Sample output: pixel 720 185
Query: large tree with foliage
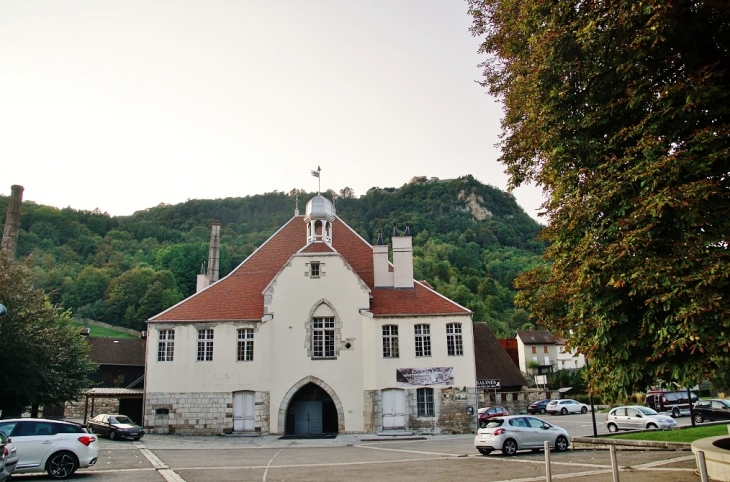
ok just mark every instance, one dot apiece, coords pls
pixel 620 111
pixel 43 359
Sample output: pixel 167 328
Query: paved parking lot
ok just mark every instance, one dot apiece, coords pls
pixel 360 457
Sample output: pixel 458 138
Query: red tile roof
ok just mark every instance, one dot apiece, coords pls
pixel 239 296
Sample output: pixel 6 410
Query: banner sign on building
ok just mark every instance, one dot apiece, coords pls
pixel 406 377
pixel 488 384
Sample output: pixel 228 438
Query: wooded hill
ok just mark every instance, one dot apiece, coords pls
pixel 470 241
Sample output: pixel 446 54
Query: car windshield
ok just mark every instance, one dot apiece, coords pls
pixel 122 419
pixel 647 411
pixel 724 402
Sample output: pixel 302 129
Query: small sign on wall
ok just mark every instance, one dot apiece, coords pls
pixel 470 411
pixel 489 384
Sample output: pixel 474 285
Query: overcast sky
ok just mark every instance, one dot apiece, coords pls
pixel 123 105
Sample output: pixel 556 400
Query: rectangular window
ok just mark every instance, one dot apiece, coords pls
pixel 545 349
pixel 205 345
pixel 390 341
pixel 454 343
pixel 534 349
pixel 425 402
pixel 314 269
pixel 245 344
pixel 423 340
pixel 166 345
pixel 323 337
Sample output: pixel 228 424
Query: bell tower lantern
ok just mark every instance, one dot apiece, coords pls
pixel 319 216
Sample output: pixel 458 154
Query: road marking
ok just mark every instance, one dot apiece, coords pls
pixel 406 451
pixel 162 468
pixel 269 464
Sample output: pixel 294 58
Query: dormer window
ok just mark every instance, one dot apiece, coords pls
pixel 314 269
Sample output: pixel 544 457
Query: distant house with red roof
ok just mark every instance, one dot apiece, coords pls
pixel 315 333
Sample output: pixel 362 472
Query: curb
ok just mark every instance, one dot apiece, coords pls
pixel 594 443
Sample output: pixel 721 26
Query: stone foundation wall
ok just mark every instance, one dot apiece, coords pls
pixel 199 413
pixel 76 410
pixel 371 422
pixel 453 417
pixel 515 402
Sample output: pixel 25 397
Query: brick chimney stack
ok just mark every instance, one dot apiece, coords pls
pixel 12 222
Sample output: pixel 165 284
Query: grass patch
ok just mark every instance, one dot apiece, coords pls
pixel 687 435
pixel 102 332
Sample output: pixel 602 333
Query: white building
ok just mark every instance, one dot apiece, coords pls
pixel 315 333
pixel 569 359
pixel 539 349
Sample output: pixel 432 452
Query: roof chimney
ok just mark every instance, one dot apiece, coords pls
pixel 382 277
pixel 403 259
pixel 214 253
pixel 12 222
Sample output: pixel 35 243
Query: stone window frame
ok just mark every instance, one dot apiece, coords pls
pixel 205 344
pixel 165 344
pixel 308 333
pixel 454 340
pixel 425 402
pixel 314 269
pixel 390 341
pixel 245 344
pixel 422 339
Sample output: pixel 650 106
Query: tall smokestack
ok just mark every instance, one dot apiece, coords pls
pixel 12 222
pixel 214 252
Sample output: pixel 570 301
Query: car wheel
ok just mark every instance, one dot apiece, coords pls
pixel 542 411
pixel 612 427
pixel 651 426
pixel 675 412
pixel 561 444
pixel 564 411
pixel 698 418
pixel 509 447
pixel 112 435
pixel 484 451
pixel 584 410
pixel 61 465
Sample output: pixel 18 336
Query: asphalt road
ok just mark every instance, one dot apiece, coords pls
pixel 359 457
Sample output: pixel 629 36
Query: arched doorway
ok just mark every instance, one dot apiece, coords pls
pixel 311 413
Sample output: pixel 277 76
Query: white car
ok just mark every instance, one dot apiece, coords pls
pixel 10 452
pixel 52 446
pixel 518 432
pixel 636 417
pixel 565 406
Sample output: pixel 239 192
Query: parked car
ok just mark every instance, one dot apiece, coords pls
pixel 4 474
pixel 490 412
pixel 711 410
pixel 675 403
pixel 519 432
pixel 538 407
pixel 10 452
pixel 565 406
pixel 53 446
pixel 115 426
pixel 637 417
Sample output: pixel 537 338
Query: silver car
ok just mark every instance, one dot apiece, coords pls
pixel 637 417
pixel 565 406
pixel 519 432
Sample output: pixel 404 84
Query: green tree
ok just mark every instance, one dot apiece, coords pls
pixel 620 110
pixel 44 360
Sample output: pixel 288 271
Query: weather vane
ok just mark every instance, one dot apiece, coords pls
pixel 319 181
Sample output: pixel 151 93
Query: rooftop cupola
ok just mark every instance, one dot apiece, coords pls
pixel 319 216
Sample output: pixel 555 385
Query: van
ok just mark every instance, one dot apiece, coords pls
pixel 674 403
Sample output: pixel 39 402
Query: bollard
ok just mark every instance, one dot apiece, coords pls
pixel 702 466
pixel 548 471
pixel 614 464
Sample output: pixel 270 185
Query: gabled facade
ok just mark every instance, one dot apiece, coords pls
pixel 537 346
pixel 315 333
pixel 569 359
